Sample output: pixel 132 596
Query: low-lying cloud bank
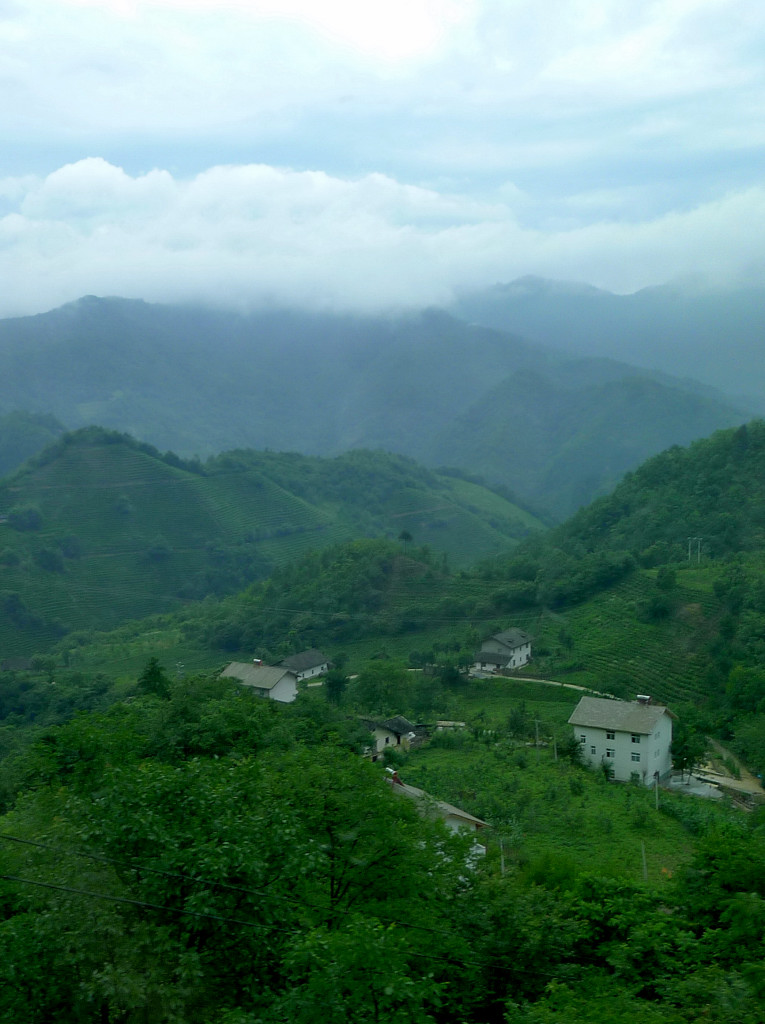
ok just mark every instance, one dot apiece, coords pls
pixel 245 235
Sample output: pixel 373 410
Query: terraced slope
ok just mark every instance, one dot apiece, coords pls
pixel 610 644
pixel 100 529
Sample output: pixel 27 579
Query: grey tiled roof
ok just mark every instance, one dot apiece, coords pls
pixel 426 803
pixel 512 637
pixel 263 677
pixel 305 660
pixel 619 715
pixel 399 725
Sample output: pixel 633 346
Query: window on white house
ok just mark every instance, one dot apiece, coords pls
pixel 636 757
pixel 635 738
pixel 610 753
pixel 593 750
pixel 610 735
pixel 582 739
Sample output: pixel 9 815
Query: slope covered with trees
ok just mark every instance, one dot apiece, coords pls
pixel 201 855
pixel 183 851
pixel 555 430
pixel 100 528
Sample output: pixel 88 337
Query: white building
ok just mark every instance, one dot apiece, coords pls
pixel 394 732
pixel 270 681
pixel 509 649
pixel 634 737
pixel 307 664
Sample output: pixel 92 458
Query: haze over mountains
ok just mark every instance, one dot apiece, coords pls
pixel 688 329
pixel 554 429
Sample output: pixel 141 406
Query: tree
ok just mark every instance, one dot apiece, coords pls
pixel 153 679
pixel 382 687
pixel 335 682
pixel 688 748
pixel 406 538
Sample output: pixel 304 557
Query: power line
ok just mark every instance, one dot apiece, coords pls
pixel 246 924
pixel 203 883
pixel 126 899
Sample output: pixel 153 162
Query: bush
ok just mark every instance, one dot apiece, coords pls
pixel 25 517
pixel 49 560
pixel 451 739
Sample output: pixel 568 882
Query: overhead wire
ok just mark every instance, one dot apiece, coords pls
pixel 204 883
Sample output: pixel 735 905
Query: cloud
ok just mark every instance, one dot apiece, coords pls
pixel 243 235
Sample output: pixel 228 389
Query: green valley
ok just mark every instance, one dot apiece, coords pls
pixel 175 848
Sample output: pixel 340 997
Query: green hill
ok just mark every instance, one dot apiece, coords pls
pixel 611 598
pixel 554 429
pixel 100 528
pixel 711 493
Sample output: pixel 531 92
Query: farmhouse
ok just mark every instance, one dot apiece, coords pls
pixel 634 737
pixel 393 732
pixel 509 649
pixel 270 681
pixel 307 664
pixel 455 819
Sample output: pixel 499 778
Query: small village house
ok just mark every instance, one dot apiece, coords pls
pixel 455 819
pixel 393 732
pixel 506 650
pixel 633 737
pixel 307 664
pixel 270 681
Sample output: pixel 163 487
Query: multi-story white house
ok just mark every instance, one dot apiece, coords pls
pixel 634 737
pixel 509 649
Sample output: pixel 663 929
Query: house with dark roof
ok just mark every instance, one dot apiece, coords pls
pixel 393 732
pixel 633 737
pixel 307 664
pixel 270 681
pixel 506 650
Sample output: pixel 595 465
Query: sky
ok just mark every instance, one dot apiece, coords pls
pixel 363 155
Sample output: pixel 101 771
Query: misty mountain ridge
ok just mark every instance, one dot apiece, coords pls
pixel 553 429
pixel 686 328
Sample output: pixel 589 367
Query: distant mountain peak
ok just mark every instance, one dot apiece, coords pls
pixel 530 284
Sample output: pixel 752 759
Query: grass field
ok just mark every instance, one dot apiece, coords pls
pixel 554 818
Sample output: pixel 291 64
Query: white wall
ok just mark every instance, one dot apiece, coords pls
pixel 285 690
pixel 650 754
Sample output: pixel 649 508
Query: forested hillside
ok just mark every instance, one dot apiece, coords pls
pixel 100 528
pixel 711 493
pixel 612 604
pixel 555 430
pixel 197 855
pixel 175 849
